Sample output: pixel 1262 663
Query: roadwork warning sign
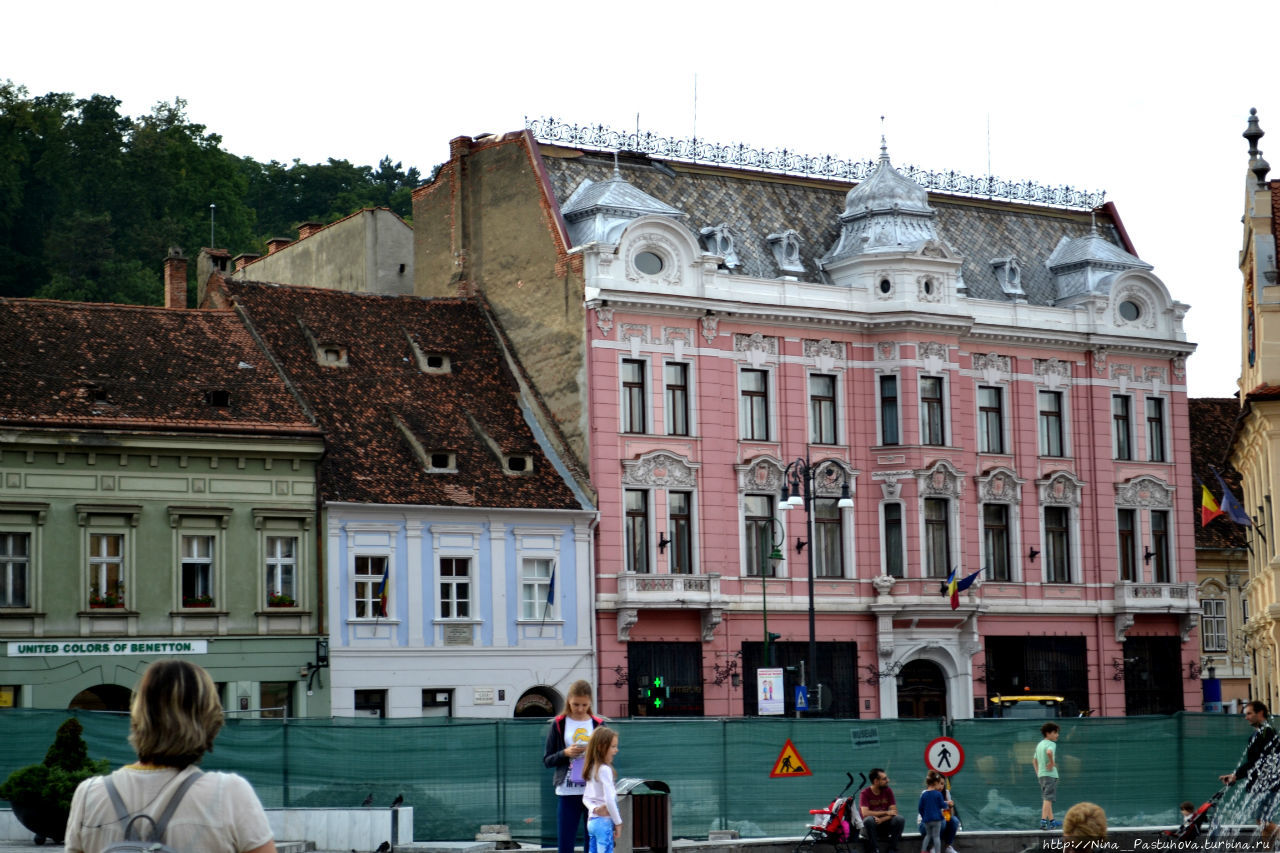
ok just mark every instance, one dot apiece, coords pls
pixel 790 763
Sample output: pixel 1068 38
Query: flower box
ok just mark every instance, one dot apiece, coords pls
pixel 280 600
pixel 197 601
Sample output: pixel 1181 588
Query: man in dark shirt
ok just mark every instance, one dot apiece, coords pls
pixel 881 820
pixel 1260 768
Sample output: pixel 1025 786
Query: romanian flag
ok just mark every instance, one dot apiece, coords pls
pixel 1209 509
pixel 955 587
pixel 382 594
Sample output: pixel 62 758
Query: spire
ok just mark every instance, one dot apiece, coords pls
pixel 884 146
pixel 1257 165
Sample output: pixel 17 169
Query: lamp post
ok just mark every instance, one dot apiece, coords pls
pixel 798 491
pixel 768 569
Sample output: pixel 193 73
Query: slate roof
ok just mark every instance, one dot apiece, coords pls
pixel 1212 424
pixel 375 408
pixel 755 205
pixel 100 366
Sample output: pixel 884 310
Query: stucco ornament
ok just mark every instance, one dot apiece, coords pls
pixel 886 351
pixel 663 248
pixel 710 619
pixel 627 619
pixel 659 468
pixel 1124 621
pixel 762 474
pixel 940 479
pixel 604 319
pixel 993 367
pixel 680 339
pixel 1146 318
pixel 830 476
pixel 1180 368
pixel 999 485
pixel 1052 372
pixel 710 327
pixel 756 347
pixel 825 353
pixel 890 486
pixel 932 354
pixel 883 585
pixel 1060 489
pixel 1144 492
pixel 928 289
pixel 1100 361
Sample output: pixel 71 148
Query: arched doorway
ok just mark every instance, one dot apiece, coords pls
pixel 922 690
pixel 104 697
pixel 538 702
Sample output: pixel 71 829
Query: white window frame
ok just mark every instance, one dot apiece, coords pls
pixel 1115 433
pixel 646 534
pixel 897 382
pixel 1218 618
pixel 471 581
pixel 370 580
pixel 1164 427
pixel 534 587
pixel 1073 544
pixel 1011 545
pixel 276 563
pixel 189 558
pixel 99 565
pixel 1002 393
pixel 1064 423
pixel 953 540
pixel 689 398
pixel 693 530
pixel 836 431
pixel 747 570
pixel 943 408
pixel 9 563
pixel 770 395
pixel 1168 544
pixel 841 545
pixel 646 398
pixel 902 537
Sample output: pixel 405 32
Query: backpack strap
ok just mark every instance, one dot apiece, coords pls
pixel 157 827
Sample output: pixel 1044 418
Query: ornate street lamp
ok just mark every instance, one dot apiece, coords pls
pixel 798 491
pixel 768 569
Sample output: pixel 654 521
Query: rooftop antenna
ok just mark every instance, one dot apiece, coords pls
pixel 988 145
pixel 617 173
pixel 695 116
pixel 212 208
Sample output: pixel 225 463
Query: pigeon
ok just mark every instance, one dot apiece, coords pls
pixel 384 847
pixel 397 802
pixel 368 801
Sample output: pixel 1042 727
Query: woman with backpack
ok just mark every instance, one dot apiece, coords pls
pixel 163 796
pixel 567 738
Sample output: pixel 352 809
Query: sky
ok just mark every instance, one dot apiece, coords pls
pixel 1143 100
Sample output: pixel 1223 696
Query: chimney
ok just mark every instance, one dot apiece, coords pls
pixel 244 259
pixel 306 229
pixel 275 244
pixel 175 279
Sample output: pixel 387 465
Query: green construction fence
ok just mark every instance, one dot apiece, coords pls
pixel 461 773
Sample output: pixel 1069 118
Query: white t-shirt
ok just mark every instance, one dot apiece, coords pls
pixel 575 732
pixel 601 791
pixel 220 813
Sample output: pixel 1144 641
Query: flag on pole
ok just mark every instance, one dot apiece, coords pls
pixel 960 586
pixel 551 588
pixel 1231 506
pixel 382 594
pixel 1209 509
pixel 949 589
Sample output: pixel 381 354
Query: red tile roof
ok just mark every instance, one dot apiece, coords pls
pixel 1212 423
pixel 381 404
pixel 100 366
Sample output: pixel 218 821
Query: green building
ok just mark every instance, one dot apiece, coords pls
pixel 157 498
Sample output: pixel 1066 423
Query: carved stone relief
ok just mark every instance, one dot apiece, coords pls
pixel 1061 489
pixel 825 354
pixel 665 249
pixel 993 367
pixel 756 346
pixel 1179 368
pixel 1100 361
pixel 633 334
pixel 660 468
pixel 678 338
pixel 999 485
pixel 1146 318
pixel 933 354
pixel 886 351
pixel 940 480
pixel 1144 492
pixel 928 289
pixel 762 474
pixel 710 327
pixel 830 476
pixel 627 618
pixel 1052 372
pixel 604 319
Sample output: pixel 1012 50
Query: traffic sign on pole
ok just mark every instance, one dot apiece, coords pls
pixel 802 698
pixel 944 755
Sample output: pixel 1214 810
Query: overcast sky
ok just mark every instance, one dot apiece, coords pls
pixel 1145 100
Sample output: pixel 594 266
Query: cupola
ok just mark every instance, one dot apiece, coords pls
pixel 598 211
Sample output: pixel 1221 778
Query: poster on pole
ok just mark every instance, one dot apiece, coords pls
pixel 770 698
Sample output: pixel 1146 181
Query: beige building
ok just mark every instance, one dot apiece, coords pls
pixel 369 251
pixel 1255 448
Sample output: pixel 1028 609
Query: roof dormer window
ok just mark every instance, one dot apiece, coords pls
pixel 442 462
pixel 518 463
pixel 332 355
pixel 217 398
pixel 437 363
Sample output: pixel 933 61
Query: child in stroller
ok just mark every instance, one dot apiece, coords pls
pixel 1196 822
pixel 837 824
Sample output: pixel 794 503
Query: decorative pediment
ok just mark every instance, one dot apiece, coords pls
pixel 761 474
pixel 1052 372
pixel 1144 492
pixel 830 476
pixel 999 485
pixel 659 468
pixel 933 354
pixel 941 479
pixel 1060 489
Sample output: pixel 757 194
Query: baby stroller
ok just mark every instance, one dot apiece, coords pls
pixel 838 824
pixel 1197 823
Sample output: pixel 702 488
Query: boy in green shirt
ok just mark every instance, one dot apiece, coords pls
pixel 1045 763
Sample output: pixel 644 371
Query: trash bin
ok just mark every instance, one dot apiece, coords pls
pixel 645 806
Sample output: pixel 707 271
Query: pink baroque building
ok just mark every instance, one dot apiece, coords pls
pixel 932 383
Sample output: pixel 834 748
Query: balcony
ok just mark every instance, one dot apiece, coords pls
pixel 669 592
pixel 1137 599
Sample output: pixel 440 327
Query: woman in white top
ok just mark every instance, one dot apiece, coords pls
pixel 173 720
pixel 600 797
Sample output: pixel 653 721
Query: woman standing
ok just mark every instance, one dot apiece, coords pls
pixel 567 739
pixel 174 717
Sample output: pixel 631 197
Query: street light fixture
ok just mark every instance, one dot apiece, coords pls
pixel 768 569
pixel 798 491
